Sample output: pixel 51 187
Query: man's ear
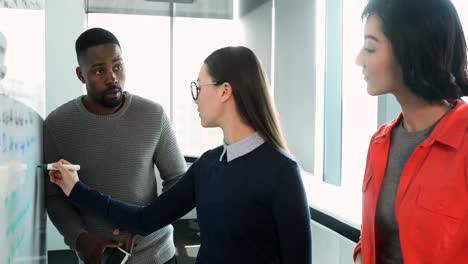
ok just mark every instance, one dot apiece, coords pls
pixel 226 91
pixel 79 74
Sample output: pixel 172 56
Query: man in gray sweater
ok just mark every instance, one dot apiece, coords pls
pixel 117 138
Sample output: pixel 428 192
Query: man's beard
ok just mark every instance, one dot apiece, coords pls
pixel 114 101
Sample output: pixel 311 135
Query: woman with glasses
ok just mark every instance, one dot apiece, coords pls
pixel 249 196
pixel 415 190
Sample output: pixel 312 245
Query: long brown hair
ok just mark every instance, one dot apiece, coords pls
pixel 243 70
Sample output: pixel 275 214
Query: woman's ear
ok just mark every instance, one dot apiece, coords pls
pixel 226 91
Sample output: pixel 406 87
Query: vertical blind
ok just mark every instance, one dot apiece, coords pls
pixel 29 4
pixel 179 8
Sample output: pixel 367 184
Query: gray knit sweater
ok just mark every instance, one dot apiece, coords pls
pixel 117 154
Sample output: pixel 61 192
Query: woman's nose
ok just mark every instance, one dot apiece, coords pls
pixel 359 59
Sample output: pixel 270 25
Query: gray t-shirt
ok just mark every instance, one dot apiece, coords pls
pixel 402 146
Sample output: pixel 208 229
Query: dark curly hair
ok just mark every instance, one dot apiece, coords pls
pixel 429 45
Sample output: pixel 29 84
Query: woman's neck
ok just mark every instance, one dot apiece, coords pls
pixel 236 130
pixel 419 114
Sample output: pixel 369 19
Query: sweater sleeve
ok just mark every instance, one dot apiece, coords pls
pixel 62 213
pixel 142 220
pixel 168 156
pixel 291 212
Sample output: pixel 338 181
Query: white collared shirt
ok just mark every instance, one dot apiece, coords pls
pixel 241 147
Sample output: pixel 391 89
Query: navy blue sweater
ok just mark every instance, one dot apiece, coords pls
pixel 252 209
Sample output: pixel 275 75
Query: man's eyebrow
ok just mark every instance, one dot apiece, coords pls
pixel 97 64
pixel 103 63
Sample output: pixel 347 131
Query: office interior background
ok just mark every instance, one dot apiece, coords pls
pixel 308 48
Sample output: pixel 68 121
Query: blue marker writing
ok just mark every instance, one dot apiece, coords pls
pixel 52 167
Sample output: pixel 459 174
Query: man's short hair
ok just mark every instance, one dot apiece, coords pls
pixel 93 37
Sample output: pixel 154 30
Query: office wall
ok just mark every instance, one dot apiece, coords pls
pixel 329 247
pixel 257 29
pixel 294 91
pixel 294 75
pixel 65 20
pixel 388 109
pixel 289 61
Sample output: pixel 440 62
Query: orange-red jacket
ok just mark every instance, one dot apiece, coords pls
pixel 431 206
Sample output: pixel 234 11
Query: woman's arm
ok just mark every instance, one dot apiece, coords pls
pixel 291 212
pixel 142 220
pixel 357 253
pixel 358 259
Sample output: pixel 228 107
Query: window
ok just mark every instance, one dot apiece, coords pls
pixel 194 40
pixel 346 116
pixel 145 42
pixel 359 117
pixel 146 47
pixel 348 113
pixel 25 60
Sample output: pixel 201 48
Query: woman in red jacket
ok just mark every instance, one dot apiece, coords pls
pixel 415 190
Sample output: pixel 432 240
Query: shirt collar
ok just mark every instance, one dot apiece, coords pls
pixel 242 147
pixel 452 129
pixel 449 131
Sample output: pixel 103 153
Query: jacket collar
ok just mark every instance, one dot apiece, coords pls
pixel 385 130
pixel 449 131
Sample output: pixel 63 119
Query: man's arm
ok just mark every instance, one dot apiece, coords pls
pixel 62 213
pixel 168 156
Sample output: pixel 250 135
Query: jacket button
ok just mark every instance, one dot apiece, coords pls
pixel 116 232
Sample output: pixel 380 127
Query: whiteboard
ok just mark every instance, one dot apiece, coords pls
pixel 22 78
pixel 22 217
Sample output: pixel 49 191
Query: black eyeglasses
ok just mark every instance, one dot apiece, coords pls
pixel 196 87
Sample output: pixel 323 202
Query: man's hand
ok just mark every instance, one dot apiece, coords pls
pixel 91 247
pixel 128 245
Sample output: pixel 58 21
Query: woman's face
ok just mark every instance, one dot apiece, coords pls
pixel 381 71
pixel 208 103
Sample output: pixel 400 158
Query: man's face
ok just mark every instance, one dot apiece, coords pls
pixel 102 70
